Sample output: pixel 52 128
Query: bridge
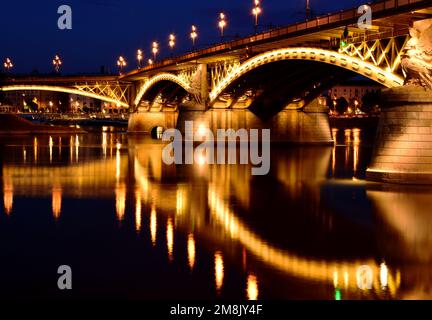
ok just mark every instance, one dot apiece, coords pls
pixel 106 88
pixel 274 79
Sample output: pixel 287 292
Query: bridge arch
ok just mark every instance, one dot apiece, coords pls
pixel 63 90
pixel 160 77
pixel 367 69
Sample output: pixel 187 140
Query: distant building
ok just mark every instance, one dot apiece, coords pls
pixel 354 89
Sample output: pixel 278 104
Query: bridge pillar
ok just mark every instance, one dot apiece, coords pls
pixel 403 147
pixel 309 125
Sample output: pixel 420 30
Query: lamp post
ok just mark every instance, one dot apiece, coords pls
pixel 121 63
pixel 256 11
pixel 308 10
pixel 139 57
pixel 172 42
pixel 193 35
pixel 155 49
pixel 222 24
pixel 8 64
pixel 57 63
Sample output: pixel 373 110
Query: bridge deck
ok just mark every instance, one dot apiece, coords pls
pixel 391 18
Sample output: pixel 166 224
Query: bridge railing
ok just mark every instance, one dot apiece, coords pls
pixel 343 17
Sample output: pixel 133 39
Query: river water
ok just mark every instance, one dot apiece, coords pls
pixel 130 226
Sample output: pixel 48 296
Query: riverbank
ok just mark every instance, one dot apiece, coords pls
pixel 13 124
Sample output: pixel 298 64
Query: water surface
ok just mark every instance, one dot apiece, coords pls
pixel 133 227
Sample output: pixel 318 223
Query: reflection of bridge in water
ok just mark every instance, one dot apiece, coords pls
pixel 176 196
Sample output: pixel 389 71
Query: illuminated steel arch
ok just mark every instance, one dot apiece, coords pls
pixel 357 65
pixel 160 77
pixel 64 90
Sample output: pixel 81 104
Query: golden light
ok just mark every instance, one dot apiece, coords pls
pixel 121 63
pixel 191 250
pixel 57 63
pixel 8 195
pixel 256 11
pixel 50 144
pixel 194 35
pixel 170 238
pixel 219 270
pixel 155 49
pixel 138 211
pixel 139 57
pixel 8 64
pixel 222 24
pixel 56 202
pixel 252 287
pixel 120 194
pixel 150 62
pixel 63 90
pixel 153 225
pixel 383 275
pixel 171 42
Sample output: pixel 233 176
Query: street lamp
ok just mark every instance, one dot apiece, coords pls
pixel 139 57
pixel 8 64
pixel 172 42
pixel 150 62
pixel 222 24
pixel 121 63
pixel 308 10
pixel 57 63
pixel 256 11
pixel 155 49
pixel 193 35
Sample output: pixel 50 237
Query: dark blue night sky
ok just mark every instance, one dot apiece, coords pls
pixel 104 29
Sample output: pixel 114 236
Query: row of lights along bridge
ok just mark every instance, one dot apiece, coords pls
pixel 121 61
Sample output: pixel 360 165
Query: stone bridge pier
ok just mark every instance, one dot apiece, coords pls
pixel 403 146
pixel 308 125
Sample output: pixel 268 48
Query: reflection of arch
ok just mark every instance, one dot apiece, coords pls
pixel 160 77
pixel 63 90
pixel 354 64
pixel 340 273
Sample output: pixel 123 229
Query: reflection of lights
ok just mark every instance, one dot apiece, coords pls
pixel 383 275
pixel 50 143
pixel 56 202
pixel 180 201
pixel 202 130
pixel 120 194
pixel 118 163
pixel 71 144
pixel 104 143
pixel 327 271
pixel 219 270
pixel 170 238
pixel 35 149
pixel 252 287
pixel 153 225
pixel 356 147
pixel 7 195
pixel 77 145
pixel 191 250
pixel 138 211
pixel 346 278
pixel 334 135
pixel 364 277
